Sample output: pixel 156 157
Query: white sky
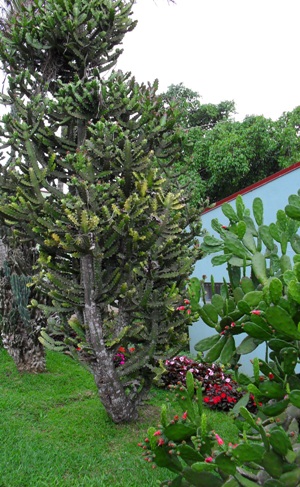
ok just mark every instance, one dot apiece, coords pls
pixel 242 50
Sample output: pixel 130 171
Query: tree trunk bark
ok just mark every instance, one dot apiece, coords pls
pixel 26 351
pixel 19 339
pixel 111 391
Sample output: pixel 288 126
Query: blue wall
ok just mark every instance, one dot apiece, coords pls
pixel 274 195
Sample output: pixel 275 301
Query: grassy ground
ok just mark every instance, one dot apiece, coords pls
pixel 54 431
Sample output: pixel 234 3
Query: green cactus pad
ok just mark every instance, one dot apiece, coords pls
pixel 294 397
pixel 272 390
pixel 248 345
pixel 276 344
pixel 280 319
pixel 211 312
pixel 229 212
pixel 294 290
pixel 293 212
pixel 189 454
pixel 248 452
pixel 258 210
pixel 280 440
pixel 180 431
pixel 256 331
pixel 275 288
pixel 253 298
pixel 272 463
pixel 228 350
pixel 265 235
pixel 206 343
pixel 244 307
pixel 276 408
pixel 259 267
pixel 215 352
pixel 289 356
pixel 225 463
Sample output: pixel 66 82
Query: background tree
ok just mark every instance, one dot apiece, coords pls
pixel 91 187
pixel 192 112
pixel 234 155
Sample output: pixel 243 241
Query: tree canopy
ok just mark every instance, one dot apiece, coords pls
pixel 223 155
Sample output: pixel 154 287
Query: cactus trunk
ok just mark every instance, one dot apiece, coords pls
pixel 26 351
pixel 117 403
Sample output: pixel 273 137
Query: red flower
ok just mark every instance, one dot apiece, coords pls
pixel 219 439
pixel 121 349
pixel 271 376
pixel 160 442
pixel 184 416
pixel 208 459
pixel 206 399
pixel 157 433
pixel 132 349
pixel 180 308
pixel 256 312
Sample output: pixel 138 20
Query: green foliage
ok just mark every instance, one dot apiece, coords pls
pixel 92 188
pixel 223 155
pixel 267 452
pixel 263 301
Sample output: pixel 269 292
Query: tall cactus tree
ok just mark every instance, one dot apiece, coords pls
pixel 91 188
pixel 19 327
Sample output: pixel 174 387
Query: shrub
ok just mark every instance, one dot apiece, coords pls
pixel 219 389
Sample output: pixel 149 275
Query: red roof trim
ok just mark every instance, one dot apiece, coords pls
pixel 250 188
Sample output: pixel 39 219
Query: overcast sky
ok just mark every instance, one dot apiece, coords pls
pixel 242 50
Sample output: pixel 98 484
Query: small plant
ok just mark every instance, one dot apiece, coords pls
pixel 220 390
pixel 267 453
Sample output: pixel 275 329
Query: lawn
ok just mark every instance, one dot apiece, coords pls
pixel 55 432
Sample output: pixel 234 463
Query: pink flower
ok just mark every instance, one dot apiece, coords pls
pixel 219 439
pixel 180 308
pixel 184 416
pixel 256 312
pixel 160 442
pixel 157 433
pixel 186 301
pixel 209 459
pixel 188 311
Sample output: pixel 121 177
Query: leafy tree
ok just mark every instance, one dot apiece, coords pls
pixel 193 113
pixel 90 185
pixel 233 155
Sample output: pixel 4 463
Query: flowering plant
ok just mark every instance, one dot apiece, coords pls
pixel 122 354
pixel 220 390
pixel 187 446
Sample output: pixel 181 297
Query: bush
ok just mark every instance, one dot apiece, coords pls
pixel 220 391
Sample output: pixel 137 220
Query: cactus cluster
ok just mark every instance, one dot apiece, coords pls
pixel 267 453
pixel 262 296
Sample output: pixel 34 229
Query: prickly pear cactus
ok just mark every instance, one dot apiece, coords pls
pixel 267 453
pixel 262 296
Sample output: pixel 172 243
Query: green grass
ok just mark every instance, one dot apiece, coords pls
pixel 55 432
